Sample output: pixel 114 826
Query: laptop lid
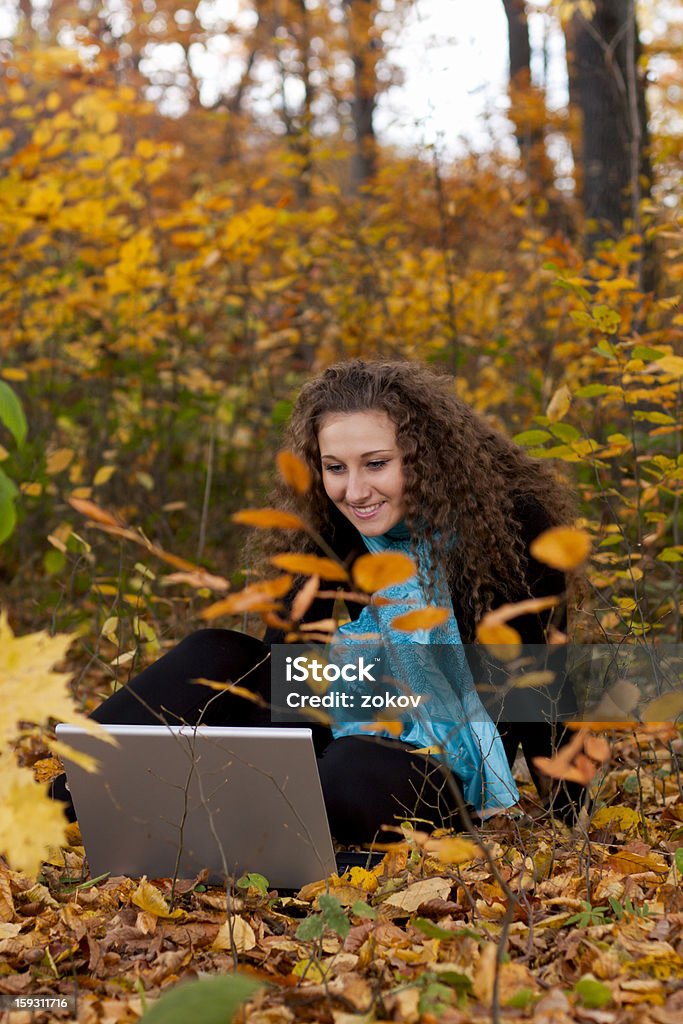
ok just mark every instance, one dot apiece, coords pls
pixel 170 800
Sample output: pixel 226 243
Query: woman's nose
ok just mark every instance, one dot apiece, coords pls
pixel 357 487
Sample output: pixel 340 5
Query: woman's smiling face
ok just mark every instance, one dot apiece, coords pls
pixel 362 469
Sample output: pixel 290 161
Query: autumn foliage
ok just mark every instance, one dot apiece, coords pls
pixel 166 285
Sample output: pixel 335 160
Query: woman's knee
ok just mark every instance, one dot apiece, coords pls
pixel 212 647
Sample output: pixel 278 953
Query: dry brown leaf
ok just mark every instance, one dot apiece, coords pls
pixel 95 512
pixel 419 892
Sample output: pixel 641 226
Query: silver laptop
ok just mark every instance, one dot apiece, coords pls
pixel 170 800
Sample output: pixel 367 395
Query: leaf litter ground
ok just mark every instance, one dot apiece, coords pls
pixel 586 925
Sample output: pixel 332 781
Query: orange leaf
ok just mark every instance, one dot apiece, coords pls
pixel 393 728
pixel 504 641
pixel 294 471
pixel 510 611
pixel 562 547
pixel 256 598
pixel 375 572
pixel 94 512
pixel 269 519
pixel 309 565
pixel 305 598
pixel 422 618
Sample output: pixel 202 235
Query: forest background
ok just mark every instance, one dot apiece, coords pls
pixel 174 266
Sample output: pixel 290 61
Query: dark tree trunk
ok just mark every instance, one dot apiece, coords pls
pixel 364 51
pixel 607 86
pixel 530 118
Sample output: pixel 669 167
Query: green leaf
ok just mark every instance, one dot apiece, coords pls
pixel 8 516
pixel 310 928
pixel 54 562
pixel 8 488
pixel 252 880
pixel 334 916
pixel 458 981
pixel 643 352
pixel 592 992
pixel 653 417
pixel 678 857
pixel 593 390
pixel 520 1000
pixel 282 411
pixel 532 437
pixel 565 432
pixel 361 909
pixel 582 318
pixel 670 555
pixel 211 1001
pixel 12 414
pixel 435 931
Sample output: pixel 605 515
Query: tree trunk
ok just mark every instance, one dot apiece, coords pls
pixel 610 93
pixel 364 50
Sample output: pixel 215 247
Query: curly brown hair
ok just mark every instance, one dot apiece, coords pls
pixel 462 477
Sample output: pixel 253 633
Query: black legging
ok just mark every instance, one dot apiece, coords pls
pixel 367 781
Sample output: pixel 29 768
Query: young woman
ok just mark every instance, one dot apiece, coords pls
pixel 398 463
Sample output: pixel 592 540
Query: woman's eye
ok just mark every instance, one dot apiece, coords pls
pixel 333 468
pixel 377 463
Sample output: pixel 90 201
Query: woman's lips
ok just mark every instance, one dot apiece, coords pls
pixel 362 514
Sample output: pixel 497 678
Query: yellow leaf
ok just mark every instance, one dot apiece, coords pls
pixel 624 818
pixel 375 572
pixel 103 474
pixel 14 373
pixel 257 597
pixel 452 850
pixel 664 709
pixel 394 728
pixel 627 863
pixel 671 364
pixel 310 565
pixel 30 822
pixel 362 878
pixel 421 618
pixel 151 899
pixel 294 471
pixel 145 149
pixel 59 460
pixel 310 970
pixel 269 519
pixel 558 406
pixel 535 679
pixel 237 931
pixel 562 547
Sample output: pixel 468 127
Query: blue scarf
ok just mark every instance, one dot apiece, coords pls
pixel 432 663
